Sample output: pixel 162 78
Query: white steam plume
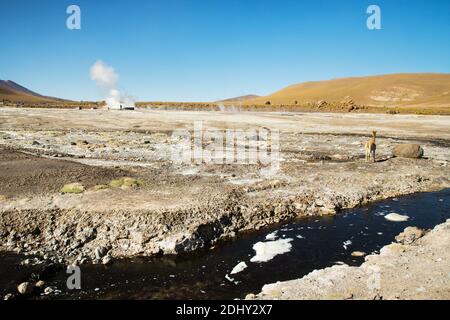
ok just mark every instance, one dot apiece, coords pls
pixel 229 109
pixel 106 79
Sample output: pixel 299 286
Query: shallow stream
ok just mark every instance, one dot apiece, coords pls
pixel 315 243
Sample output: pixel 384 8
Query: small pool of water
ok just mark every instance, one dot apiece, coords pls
pixel 316 243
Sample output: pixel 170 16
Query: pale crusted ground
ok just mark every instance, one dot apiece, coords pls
pixel 186 207
pixel 420 270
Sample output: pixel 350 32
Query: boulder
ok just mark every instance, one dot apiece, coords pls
pixel 409 235
pixel 107 260
pixel 321 103
pixel 408 150
pixel 358 254
pixel 25 288
pixel 100 252
pixel 49 290
pixel 8 296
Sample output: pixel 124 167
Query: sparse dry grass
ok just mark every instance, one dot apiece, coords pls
pixel 100 187
pixel 72 188
pixel 126 182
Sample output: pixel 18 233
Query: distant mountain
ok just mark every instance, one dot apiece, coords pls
pixel 12 91
pixel 240 98
pixel 392 90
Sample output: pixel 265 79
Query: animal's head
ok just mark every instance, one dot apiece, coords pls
pixel 374 133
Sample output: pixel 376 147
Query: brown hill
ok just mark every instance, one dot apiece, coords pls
pixel 402 90
pixel 12 91
pixel 240 98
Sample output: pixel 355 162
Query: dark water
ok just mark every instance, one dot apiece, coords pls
pixel 202 275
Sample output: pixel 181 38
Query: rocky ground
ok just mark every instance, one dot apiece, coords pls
pixel 416 266
pixel 171 208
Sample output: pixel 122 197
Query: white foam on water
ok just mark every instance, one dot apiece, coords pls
pixel 395 217
pixel 346 244
pixel 229 278
pixel 241 266
pixel 300 236
pixel 266 251
pixel 272 236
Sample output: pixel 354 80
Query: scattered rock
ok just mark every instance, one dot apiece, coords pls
pixel 72 188
pixel 358 254
pixel 25 288
pixel 322 103
pixel 107 260
pixel 49 290
pixel 82 143
pixel 409 235
pixel 8 296
pixel 392 112
pixel 100 252
pixel 100 187
pixel 408 150
pixel 126 182
pixel 40 284
pixel 250 296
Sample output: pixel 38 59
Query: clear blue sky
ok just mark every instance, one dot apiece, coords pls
pixel 204 50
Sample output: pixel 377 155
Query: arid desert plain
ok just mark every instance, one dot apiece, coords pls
pixel 79 186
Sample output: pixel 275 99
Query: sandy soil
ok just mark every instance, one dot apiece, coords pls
pixel 24 174
pixel 184 207
pixel 166 121
pixel 414 267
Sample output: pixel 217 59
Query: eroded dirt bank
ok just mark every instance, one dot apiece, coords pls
pixel 414 267
pixel 181 208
